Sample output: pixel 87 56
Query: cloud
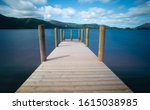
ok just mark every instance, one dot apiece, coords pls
pixel 133 17
pixel 20 9
pixel 92 1
pixel 49 11
pixel 141 10
pixel 5 10
pixel 28 9
pixel 20 4
pixel 94 12
pixel 24 9
pixel 38 1
pixel 68 12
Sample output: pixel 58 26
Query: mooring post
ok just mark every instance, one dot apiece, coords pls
pixel 87 37
pixel 70 34
pixel 82 35
pixel 56 37
pixel 61 35
pixel 101 43
pixel 42 42
pixel 79 34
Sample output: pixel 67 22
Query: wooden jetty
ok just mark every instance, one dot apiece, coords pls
pixel 73 67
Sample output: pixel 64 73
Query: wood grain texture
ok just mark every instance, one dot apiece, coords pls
pixel 72 67
pixel 42 42
pixel 101 43
pixel 56 37
pixel 87 37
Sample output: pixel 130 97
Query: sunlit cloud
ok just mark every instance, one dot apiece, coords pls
pixel 49 11
pixel 20 4
pixel 131 18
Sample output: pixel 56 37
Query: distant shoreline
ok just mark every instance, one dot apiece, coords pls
pixel 32 23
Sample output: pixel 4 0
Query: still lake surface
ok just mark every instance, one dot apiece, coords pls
pixel 127 54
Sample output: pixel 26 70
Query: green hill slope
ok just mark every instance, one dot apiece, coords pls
pixel 22 23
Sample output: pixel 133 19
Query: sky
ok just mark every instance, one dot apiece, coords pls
pixel 117 13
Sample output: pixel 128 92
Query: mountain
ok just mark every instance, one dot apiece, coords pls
pixel 32 23
pixel 73 25
pixel 144 26
pixel 22 23
pixel 58 23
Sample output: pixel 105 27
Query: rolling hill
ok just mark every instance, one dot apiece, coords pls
pixel 73 25
pixel 32 23
pixel 22 23
pixel 144 26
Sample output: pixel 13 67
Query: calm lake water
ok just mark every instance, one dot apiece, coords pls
pixel 127 54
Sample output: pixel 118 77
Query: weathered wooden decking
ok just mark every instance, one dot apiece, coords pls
pixel 72 67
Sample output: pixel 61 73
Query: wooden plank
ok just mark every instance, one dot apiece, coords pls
pixel 72 67
pixel 106 89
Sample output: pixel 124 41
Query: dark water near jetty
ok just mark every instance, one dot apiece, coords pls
pixel 127 54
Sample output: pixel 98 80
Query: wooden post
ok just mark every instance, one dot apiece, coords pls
pixel 79 34
pixel 42 42
pixel 70 34
pixel 61 35
pixel 87 37
pixel 101 43
pixel 82 35
pixel 56 37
